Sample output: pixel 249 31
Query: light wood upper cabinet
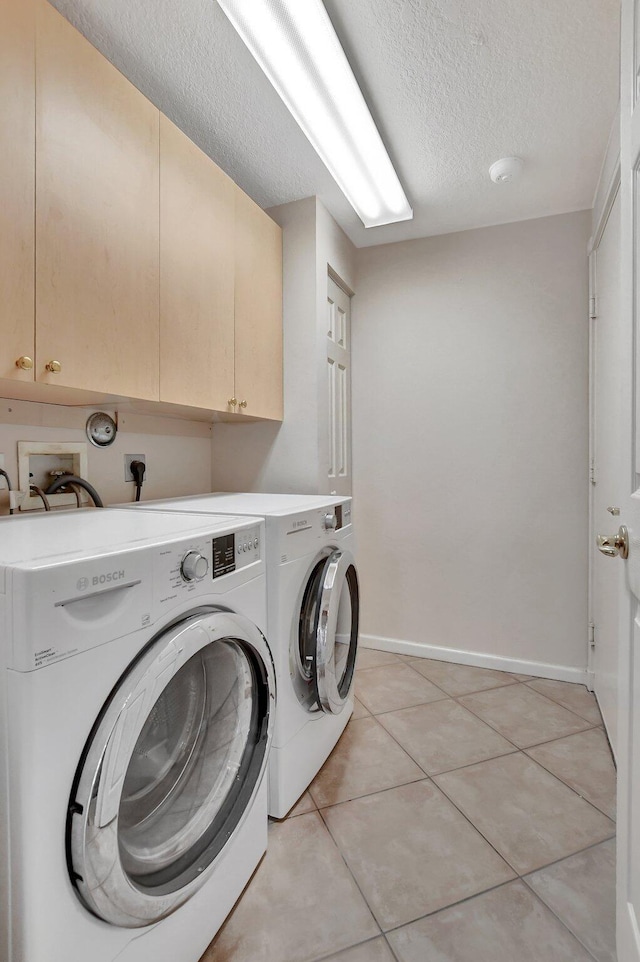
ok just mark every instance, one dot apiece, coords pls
pixel 196 275
pixel 97 219
pixel 258 311
pixel 130 264
pixel 17 183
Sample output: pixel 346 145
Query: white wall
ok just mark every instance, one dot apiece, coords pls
pixel 293 456
pixel 178 452
pixel 470 431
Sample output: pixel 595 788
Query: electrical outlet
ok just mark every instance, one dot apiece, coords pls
pixel 128 458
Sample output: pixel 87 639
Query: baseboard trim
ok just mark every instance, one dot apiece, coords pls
pixel 478 660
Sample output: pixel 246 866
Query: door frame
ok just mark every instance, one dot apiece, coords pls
pixel 604 199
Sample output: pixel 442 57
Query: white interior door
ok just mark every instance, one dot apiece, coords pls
pixel 606 441
pixel 628 884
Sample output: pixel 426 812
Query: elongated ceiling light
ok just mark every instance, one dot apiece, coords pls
pixel 295 44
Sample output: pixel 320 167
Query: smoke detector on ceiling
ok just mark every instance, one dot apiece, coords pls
pixel 505 170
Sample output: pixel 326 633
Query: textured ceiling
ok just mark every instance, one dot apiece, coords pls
pixel 453 85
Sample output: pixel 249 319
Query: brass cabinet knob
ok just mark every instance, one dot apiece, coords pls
pixel 54 367
pixel 25 363
pixel 232 402
pixel 243 404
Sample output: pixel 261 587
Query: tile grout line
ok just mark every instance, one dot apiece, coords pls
pixel 557 702
pixel 557 777
pixel 356 883
pixel 475 827
pixel 442 908
pixel 501 684
pixel 563 780
pixel 380 791
pixel 415 760
pixel 356 945
pixel 445 908
pixel 437 687
pixel 427 778
pixel 555 914
pixel 367 794
pixel 493 888
pixel 503 857
pixel 522 748
pixel 564 858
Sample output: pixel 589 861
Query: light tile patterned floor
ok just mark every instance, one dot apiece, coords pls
pixel 465 814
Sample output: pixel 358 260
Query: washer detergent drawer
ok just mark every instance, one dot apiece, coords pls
pixel 63 610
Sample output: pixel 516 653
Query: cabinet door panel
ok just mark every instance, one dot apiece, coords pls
pixel 196 275
pixel 97 219
pixel 17 185
pixel 258 311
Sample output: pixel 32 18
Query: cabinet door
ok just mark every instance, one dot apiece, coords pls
pixel 196 275
pixel 17 187
pixel 97 219
pixel 258 311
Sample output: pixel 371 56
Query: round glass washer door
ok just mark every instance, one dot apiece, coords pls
pixel 171 768
pixel 328 631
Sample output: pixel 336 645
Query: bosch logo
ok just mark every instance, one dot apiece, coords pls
pixel 82 584
pixel 107 578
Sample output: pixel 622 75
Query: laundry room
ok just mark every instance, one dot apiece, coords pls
pixel 329 308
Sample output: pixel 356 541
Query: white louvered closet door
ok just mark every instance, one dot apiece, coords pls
pixel 339 388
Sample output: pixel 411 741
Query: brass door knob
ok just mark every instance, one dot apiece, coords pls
pixel 617 544
pixel 243 404
pixel 54 367
pixel 25 363
pixel 232 402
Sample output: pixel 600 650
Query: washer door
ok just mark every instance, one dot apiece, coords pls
pixel 171 768
pixel 328 632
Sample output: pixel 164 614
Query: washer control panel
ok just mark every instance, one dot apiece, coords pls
pixel 185 568
pixel 245 548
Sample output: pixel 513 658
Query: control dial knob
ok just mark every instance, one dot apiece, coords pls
pixel 194 566
pixel 329 521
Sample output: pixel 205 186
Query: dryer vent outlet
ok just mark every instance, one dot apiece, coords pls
pixel 128 458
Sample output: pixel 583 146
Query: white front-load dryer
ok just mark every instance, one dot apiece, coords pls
pixel 136 713
pixel 313 612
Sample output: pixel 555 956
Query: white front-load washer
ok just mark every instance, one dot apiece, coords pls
pixel 312 626
pixel 136 712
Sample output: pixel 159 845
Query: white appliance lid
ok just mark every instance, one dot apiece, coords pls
pixel 70 535
pixel 265 505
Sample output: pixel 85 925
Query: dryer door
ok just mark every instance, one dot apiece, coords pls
pixel 329 628
pixel 171 768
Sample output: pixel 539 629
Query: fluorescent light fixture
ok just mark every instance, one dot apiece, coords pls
pixel 295 44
